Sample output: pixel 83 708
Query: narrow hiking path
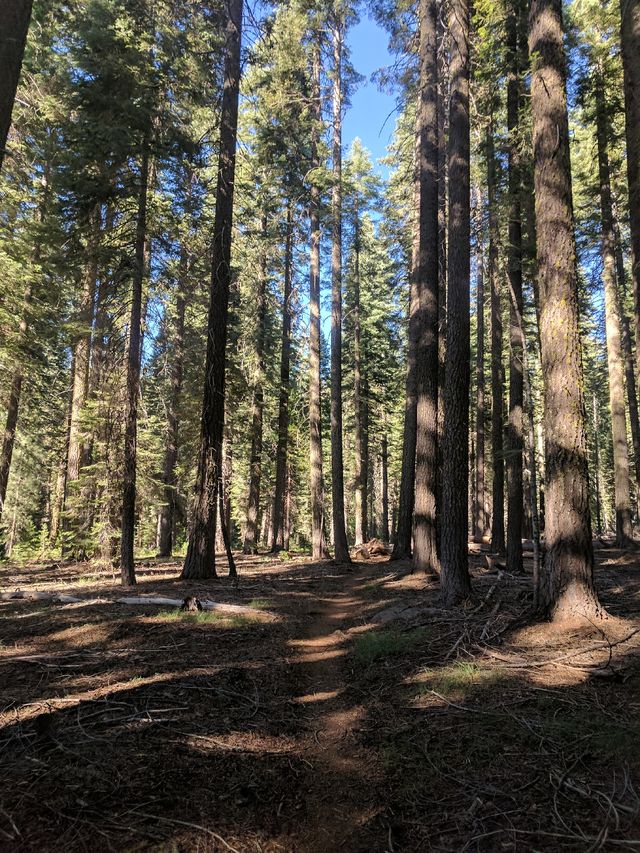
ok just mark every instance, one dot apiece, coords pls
pixel 345 799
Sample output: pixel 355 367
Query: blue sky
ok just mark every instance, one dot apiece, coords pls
pixel 370 107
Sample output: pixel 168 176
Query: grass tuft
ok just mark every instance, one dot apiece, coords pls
pixel 381 644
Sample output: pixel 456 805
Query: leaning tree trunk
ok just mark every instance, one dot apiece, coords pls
pixel 630 44
pixel 613 327
pixel 341 548
pixel 127 568
pixel 425 554
pixel 318 545
pixel 14 24
pixel 456 584
pixel 250 544
pixel 200 559
pixel 278 517
pixel 515 426
pixel 166 515
pixel 567 588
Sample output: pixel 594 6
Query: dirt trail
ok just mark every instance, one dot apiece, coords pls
pixel 344 801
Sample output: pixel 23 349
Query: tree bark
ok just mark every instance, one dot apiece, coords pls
pixel 166 518
pixel 318 544
pixel 404 528
pixel 359 403
pixel 384 531
pixel 341 547
pixel 497 380
pixel 14 25
pixel 456 583
pixel 480 498
pixel 127 567
pixel 515 431
pixel 278 517
pixel 567 587
pixel 630 45
pixel 77 448
pixel 613 327
pixel 250 545
pixel 200 559
pixel 425 555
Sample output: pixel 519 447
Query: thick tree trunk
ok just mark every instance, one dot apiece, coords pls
pixel 166 516
pixel 567 587
pixel 480 498
pixel 515 433
pixel 278 517
pixel 359 404
pixel 127 568
pixel 200 559
pixel 318 544
pixel 14 24
pixel 425 554
pixel 77 448
pixel 456 584
pixel 497 379
pixel 9 438
pixel 630 44
pixel 443 129
pixel 615 363
pixel 250 544
pixel 341 548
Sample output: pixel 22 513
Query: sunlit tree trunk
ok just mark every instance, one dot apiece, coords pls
pixel 425 554
pixel 200 559
pixel 567 587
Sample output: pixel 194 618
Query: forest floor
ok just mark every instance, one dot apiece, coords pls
pixel 361 717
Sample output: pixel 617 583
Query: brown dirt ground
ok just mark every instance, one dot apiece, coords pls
pixel 329 728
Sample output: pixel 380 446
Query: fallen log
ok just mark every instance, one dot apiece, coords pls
pixel 33 595
pixel 232 609
pixel 61 598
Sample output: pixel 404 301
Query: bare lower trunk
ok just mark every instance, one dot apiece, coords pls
pixel 359 405
pixel 384 462
pixel 200 559
pixel 456 584
pixel 567 588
